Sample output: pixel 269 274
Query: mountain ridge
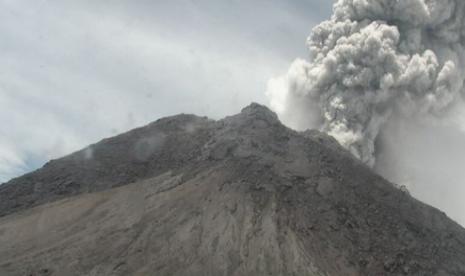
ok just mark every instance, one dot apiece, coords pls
pixel 244 195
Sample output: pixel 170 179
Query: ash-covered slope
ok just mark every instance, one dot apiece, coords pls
pixel 240 196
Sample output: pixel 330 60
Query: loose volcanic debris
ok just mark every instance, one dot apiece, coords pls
pixel 244 195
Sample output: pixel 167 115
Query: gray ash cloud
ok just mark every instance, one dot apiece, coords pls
pixel 374 61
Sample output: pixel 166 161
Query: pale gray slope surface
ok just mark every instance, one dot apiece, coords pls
pixel 241 196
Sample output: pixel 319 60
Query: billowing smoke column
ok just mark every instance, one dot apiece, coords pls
pixel 372 61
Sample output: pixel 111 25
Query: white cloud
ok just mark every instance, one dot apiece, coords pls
pixel 77 71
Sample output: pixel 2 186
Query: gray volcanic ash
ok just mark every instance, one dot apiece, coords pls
pixel 374 62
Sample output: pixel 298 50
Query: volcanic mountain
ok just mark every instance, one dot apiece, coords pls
pixel 244 195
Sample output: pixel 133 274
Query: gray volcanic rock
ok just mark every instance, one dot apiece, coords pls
pixel 244 195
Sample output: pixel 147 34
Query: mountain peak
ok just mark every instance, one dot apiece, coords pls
pixel 243 195
pixel 259 111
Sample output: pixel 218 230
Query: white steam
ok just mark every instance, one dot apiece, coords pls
pixel 372 61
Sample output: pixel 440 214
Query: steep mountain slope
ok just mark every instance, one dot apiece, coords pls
pixel 240 196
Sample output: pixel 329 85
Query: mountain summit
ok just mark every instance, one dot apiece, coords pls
pixel 244 195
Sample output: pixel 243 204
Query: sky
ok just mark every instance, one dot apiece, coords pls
pixel 75 72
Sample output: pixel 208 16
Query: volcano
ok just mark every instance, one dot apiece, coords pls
pixel 244 195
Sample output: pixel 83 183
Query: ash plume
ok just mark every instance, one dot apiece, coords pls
pixel 373 61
